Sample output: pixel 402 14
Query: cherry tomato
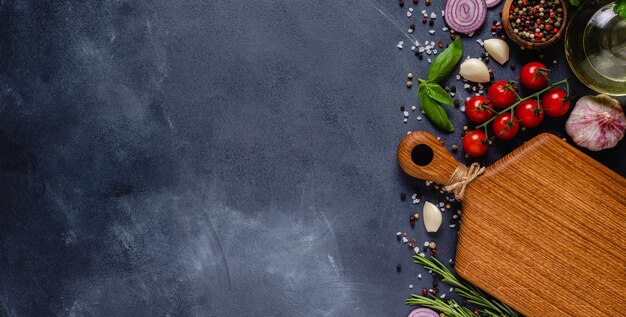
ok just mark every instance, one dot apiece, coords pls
pixel 475 143
pixel 555 102
pixel 534 76
pixel 478 109
pixel 505 126
pixel 529 113
pixel 502 94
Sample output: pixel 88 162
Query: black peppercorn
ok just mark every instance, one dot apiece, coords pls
pixel 398 267
pixel 402 195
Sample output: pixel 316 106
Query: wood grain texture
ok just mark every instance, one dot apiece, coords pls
pixel 543 230
pixel 506 22
pixel 440 168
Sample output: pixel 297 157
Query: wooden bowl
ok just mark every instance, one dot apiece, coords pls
pixel 526 44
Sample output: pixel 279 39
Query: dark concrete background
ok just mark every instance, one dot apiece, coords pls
pixel 224 158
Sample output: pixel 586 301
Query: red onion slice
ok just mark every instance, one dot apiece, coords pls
pixel 465 16
pixel 492 3
pixel 423 312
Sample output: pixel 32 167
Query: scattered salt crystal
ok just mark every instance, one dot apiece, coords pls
pixel 420 49
pixel 443 296
pixel 429 52
pixel 431 272
pixel 423 11
pixel 400 45
pixel 398 233
pixel 411 286
pixel 452 94
pixel 432 44
pixel 412 48
pixel 422 254
pixel 433 15
pixel 408 14
pixel 406 113
pixel 414 196
pixel 554 61
pixel 419 275
pixel 451 289
pixel 480 91
pixel 467 98
pixel 480 41
pixel 452 225
pixel 431 32
pixel 417 43
pixel 471 34
pixel 413 108
pixel 429 60
pixel 419 118
pixel 417 250
pixel 458 77
pixel 440 204
pixel 411 9
pixel 410 30
pixel 422 111
pixel 405 120
pixel 426 243
pixel 405 240
pixel 435 52
pixel 455 216
pixel 462 108
pixel 445 29
pixel 439 138
pixel 442 14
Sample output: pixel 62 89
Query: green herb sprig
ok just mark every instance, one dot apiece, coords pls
pixel 432 96
pixel 620 8
pixel 489 306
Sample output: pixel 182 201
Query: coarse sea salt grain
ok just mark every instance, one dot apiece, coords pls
pixel 410 30
pixel 405 120
pixel 413 108
pixel 462 108
pixel 443 296
pixel 406 113
pixel 411 9
pixel 429 52
pixel 442 13
pixel 419 275
pixel 479 41
pixel 421 49
pixel 419 118
pixel 408 14
pixel 433 15
pixel 435 52
pixel 405 240
pixel 426 243
pixel 431 32
pixel 411 286
pixel 430 61
pixel 445 29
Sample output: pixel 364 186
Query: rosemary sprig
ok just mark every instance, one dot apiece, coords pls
pixel 473 295
pixel 449 308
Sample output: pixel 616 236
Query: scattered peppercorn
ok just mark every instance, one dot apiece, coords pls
pixel 410 245
pixel 457 103
pixel 415 1
pixel 409 84
pixel 401 3
pixel 424 292
pixel 431 22
pixel 398 267
pixel 410 75
pixel 512 66
pixel 424 20
pixel 432 245
pixel 455 147
pixel 402 109
pixel 402 195
pixel 416 215
pixel 427 2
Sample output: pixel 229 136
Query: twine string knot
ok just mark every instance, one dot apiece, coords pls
pixel 461 177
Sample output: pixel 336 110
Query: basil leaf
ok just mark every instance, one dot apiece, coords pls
pixel 620 8
pixel 574 2
pixel 436 92
pixel 435 113
pixel 446 61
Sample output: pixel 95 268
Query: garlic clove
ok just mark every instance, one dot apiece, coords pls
pixel 596 122
pixel 498 49
pixel 473 69
pixel 432 217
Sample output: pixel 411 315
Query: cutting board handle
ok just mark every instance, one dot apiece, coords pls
pixel 422 156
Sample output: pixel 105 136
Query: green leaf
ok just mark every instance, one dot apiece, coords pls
pixel 574 2
pixel 435 91
pixel 620 8
pixel 446 61
pixel 435 113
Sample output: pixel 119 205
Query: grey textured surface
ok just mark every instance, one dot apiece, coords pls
pixel 211 158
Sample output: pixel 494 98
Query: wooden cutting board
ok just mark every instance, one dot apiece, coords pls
pixel 543 229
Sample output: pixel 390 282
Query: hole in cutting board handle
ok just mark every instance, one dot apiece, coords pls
pixel 422 155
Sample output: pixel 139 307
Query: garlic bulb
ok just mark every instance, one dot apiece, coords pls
pixel 432 217
pixel 596 123
pixel 473 69
pixel 498 49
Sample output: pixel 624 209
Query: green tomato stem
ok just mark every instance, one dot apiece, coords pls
pixel 512 107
